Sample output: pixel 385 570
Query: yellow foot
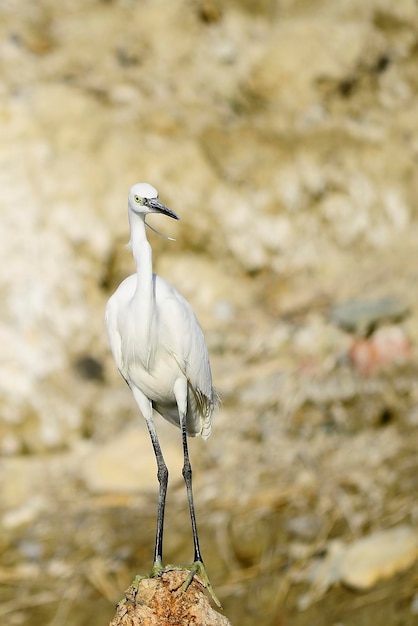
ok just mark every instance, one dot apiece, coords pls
pixel 197 568
pixel 156 571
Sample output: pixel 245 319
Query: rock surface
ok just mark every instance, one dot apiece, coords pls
pixel 162 601
pixel 362 563
pixel 379 556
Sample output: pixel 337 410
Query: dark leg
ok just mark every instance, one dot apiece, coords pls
pixel 198 566
pixel 162 475
pixel 187 475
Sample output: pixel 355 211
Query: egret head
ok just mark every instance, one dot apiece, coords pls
pixel 143 199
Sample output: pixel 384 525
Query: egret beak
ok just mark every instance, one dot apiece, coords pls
pixel 156 206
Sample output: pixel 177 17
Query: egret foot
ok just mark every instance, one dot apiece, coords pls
pixel 198 568
pixel 130 594
pixel 156 571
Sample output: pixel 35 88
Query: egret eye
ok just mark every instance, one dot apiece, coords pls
pixel 138 199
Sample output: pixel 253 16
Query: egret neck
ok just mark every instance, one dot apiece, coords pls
pixel 143 299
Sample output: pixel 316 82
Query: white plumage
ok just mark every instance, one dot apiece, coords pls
pixel 159 349
pixel 175 350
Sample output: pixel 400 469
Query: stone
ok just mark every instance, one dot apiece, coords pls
pixel 126 464
pixel 388 346
pixel 162 600
pixel 381 555
pixel 362 315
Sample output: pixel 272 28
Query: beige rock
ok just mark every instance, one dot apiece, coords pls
pixel 381 555
pixel 161 600
pixel 127 463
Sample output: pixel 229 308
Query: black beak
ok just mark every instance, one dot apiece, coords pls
pixel 157 207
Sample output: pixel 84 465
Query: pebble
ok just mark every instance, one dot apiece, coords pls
pixel 388 345
pixel 362 316
pixel 361 563
pixel 127 463
pixel 379 556
pixel 25 514
pixel 304 527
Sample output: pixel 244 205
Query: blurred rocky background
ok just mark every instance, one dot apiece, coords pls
pixel 285 135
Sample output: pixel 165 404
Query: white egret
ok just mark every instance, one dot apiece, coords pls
pixel 159 349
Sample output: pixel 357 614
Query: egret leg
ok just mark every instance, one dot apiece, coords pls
pixel 187 475
pixel 162 475
pixel 198 566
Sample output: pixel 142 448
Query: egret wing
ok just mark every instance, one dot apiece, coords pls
pixel 116 302
pixel 184 339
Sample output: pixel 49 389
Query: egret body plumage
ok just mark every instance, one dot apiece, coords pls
pixel 159 349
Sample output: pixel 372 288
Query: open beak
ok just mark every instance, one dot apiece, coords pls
pixel 157 207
